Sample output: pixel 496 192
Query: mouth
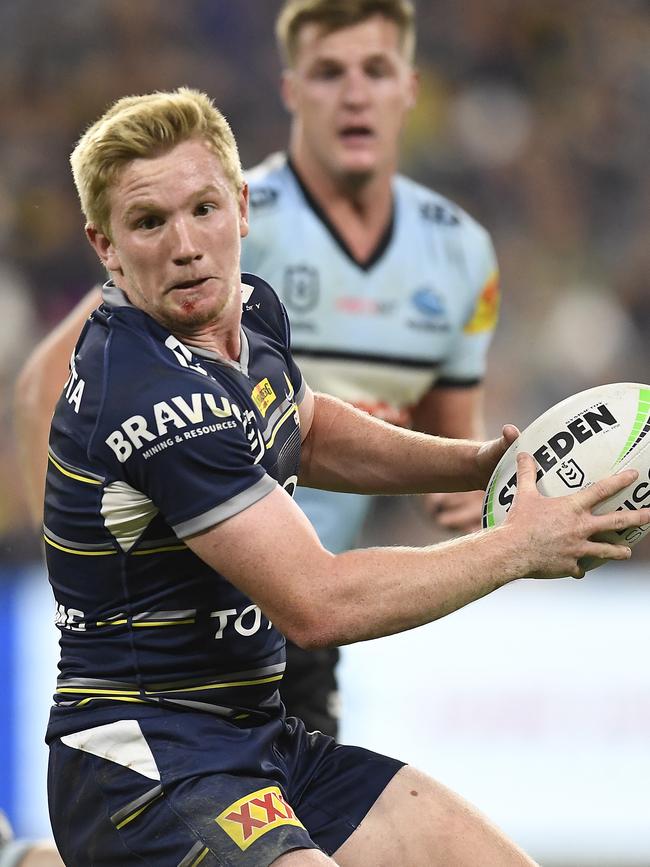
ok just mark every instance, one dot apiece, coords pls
pixel 189 284
pixel 355 133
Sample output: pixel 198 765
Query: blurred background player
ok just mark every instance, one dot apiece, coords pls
pixel 25 853
pixel 391 289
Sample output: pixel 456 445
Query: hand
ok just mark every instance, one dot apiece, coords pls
pixel 458 513
pixel 491 452
pixel 559 532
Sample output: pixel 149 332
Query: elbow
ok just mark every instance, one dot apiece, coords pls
pixel 311 630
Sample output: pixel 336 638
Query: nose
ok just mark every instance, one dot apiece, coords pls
pixel 186 247
pixel 355 89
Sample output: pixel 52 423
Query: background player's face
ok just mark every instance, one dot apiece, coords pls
pixel 176 229
pixel 349 92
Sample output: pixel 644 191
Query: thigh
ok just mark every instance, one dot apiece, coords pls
pixel 419 822
pixel 331 786
pixel 182 790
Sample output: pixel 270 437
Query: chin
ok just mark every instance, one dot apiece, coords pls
pixel 356 175
pixel 191 313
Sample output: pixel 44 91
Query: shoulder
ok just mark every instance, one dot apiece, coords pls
pixel 269 183
pixel 262 309
pixel 436 213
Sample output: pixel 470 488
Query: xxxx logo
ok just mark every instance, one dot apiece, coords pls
pixel 250 817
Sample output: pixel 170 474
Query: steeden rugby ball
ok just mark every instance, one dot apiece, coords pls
pixel 577 442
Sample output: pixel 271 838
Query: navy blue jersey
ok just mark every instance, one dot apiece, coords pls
pixel 151 442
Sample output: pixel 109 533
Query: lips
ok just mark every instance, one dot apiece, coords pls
pixel 190 284
pixel 356 131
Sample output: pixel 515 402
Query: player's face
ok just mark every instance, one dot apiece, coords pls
pixel 349 92
pixel 176 228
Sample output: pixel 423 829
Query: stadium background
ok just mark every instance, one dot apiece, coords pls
pixel 534 115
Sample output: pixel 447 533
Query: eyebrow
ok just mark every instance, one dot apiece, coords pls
pixel 148 205
pixel 330 60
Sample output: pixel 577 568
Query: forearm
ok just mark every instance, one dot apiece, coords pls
pixel 349 450
pixel 369 593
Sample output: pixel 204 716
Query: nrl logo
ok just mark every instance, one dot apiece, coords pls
pixel 571 474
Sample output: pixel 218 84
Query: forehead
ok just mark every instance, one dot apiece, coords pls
pixel 373 36
pixel 187 167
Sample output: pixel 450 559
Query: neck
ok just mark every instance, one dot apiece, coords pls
pixel 364 194
pixel 358 206
pixel 221 335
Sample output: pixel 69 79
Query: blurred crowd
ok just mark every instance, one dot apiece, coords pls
pixel 533 115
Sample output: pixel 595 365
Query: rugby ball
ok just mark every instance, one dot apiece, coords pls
pixel 575 443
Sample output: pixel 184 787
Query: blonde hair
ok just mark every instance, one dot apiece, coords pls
pixel 146 126
pixel 333 15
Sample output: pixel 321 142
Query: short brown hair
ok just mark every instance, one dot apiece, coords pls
pixel 145 126
pixel 333 15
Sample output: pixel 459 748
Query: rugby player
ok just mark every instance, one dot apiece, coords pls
pixel 391 289
pixel 179 560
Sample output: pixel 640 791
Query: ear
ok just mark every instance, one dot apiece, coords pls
pixel 103 246
pixel 243 211
pixel 288 90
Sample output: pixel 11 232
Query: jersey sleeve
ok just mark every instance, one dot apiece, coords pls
pixel 467 361
pixel 191 451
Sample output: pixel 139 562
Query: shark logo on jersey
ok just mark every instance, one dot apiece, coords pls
pixel 301 288
pixel 428 302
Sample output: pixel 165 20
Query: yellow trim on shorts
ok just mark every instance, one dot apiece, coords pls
pixel 137 812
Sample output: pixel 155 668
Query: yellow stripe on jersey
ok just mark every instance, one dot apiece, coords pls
pixel 90 698
pixel 146 551
pixel 89 691
pixel 79 553
pixel 292 409
pixel 218 685
pixel 126 695
pixel 163 622
pixel 70 475
pixel 486 312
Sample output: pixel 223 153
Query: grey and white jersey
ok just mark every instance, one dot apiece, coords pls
pixel 379 334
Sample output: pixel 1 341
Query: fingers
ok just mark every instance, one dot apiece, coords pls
pixel 621 520
pixel 461 512
pixel 605 488
pixel 510 433
pixel 526 473
pixel 607 551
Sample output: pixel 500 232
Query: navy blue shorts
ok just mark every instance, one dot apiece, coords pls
pixel 185 789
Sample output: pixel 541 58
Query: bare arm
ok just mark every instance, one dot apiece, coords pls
pixel 319 599
pixel 345 449
pixel 37 390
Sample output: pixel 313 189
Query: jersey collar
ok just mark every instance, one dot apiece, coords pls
pixel 115 297
pixel 319 212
